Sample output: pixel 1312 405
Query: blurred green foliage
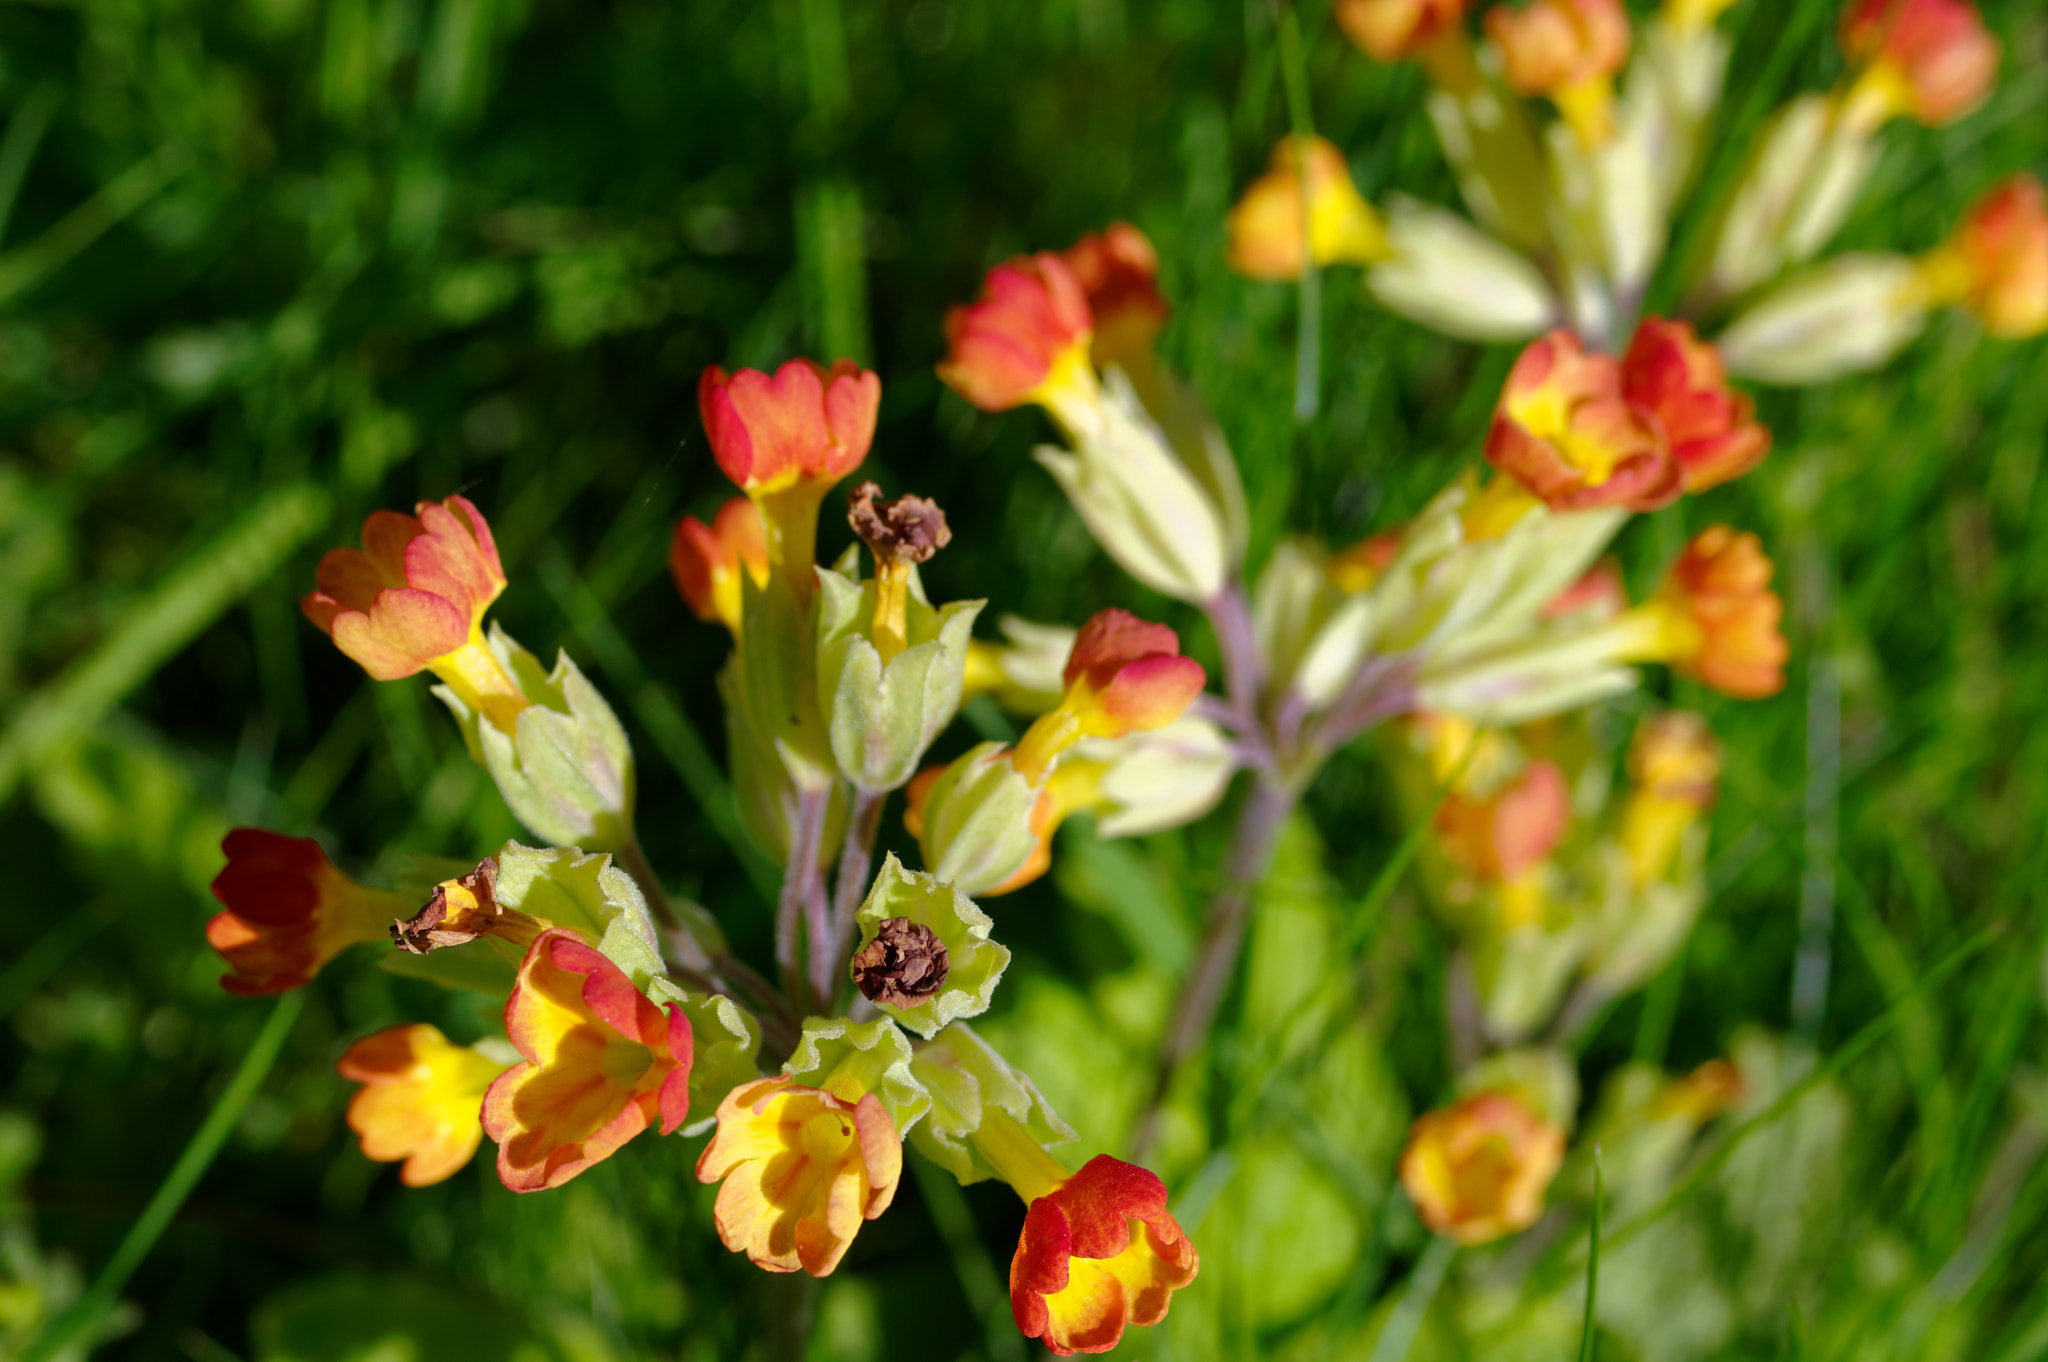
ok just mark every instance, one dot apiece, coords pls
pixel 266 265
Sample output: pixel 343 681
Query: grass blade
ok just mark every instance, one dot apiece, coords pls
pixel 1398 1336
pixel 1593 1259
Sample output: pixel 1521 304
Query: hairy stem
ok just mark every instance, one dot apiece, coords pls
pixel 802 885
pixel 1230 617
pixel 1251 851
pixel 856 861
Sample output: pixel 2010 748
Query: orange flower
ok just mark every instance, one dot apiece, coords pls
pixel 1118 271
pixel 1025 339
pixel 420 1100
pixel 1566 51
pixel 1391 30
pixel 289 911
pixel 1716 619
pixel 1930 59
pixel 602 1065
pixel 707 560
pixel 1567 434
pixel 2002 247
pixel 1123 676
pixel 1478 1170
pixel 1265 226
pixel 413 598
pixel 802 1169
pixel 1711 428
pixel 1675 766
pixel 1505 837
pixel 1099 1252
pixel 807 423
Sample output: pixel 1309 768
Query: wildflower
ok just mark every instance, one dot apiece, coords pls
pixel 1710 427
pixel 602 1064
pixel 1265 226
pixel 801 1169
pixel 1477 1170
pixel 1996 263
pixel 1123 676
pixel 420 1100
pixel 1716 618
pixel 289 911
pixel 1567 434
pixel 1674 765
pixel 1118 271
pixel 1931 60
pixel 710 561
pixel 1431 32
pixel 1504 840
pixel 413 598
pixel 1026 339
pixel 785 440
pixel 1566 51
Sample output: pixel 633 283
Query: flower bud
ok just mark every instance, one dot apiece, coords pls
pixel 1025 340
pixel 1478 1170
pixel 1929 59
pixel 288 911
pixel 1710 427
pixel 924 956
pixel 1567 51
pixel 419 1100
pixel 1567 433
pixel 413 598
pixel 1265 226
pixel 1123 676
pixel 709 562
pixel 1716 619
pixel 1448 275
pixel 1118 272
pixel 563 765
pixel 890 668
pixel 1148 782
pixel 1396 30
pixel 1675 766
pixel 1850 314
pixel 973 819
pixel 1996 263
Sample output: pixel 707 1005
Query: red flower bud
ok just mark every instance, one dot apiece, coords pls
pixel 1027 334
pixel 707 560
pixel 289 911
pixel 1931 59
pixel 1709 426
pixel 805 424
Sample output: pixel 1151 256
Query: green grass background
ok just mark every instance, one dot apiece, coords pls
pixel 266 265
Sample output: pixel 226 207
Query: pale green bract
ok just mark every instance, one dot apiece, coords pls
pixel 975 964
pixel 881 718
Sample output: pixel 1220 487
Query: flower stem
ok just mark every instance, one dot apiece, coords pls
pixel 856 861
pixel 1230 617
pixel 800 877
pixel 1251 851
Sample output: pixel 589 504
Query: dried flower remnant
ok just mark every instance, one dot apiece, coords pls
pixel 1478 1170
pixel 1709 426
pixel 711 562
pixel 902 966
pixel 898 533
pixel 800 1170
pixel 1930 60
pixel 602 1064
pixel 1266 236
pixel 1124 676
pixel 1568 52
pixel 413 599
pixel 420 1100
pixel 460 911
pixel 288 911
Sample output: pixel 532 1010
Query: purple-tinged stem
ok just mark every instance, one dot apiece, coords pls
pixel 800 878
pixel 856 861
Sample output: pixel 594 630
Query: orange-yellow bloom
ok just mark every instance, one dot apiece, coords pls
pixel 1265 226
pixel 1675 767
pixel 1478 1170
pixel 413 598
pixel 1566 51
pixel 1118 271
pixel 1025 339
pixel 1929 59
pixel 801 1170
pixel 708 561
pixel 289 911
pixel 1099 1253
pixel 1391 30
pixel 602 1065
pixel 1998 260
pixel 1716 618
pixel 806 423
pixel 1568 435
pixel 1710 427
pixel 420 1101
pixel 1123 676
pixel 1510 834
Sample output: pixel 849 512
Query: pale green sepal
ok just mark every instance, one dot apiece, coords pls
pixel 974 964
pixel 566 771
pixel 572 888
pixel 881 719
pixel 977 821
pixel 778 680
pixel 851 1059
pixel 1454 278
pixel 963 1073
pixel 1849 314
pixel 1165 778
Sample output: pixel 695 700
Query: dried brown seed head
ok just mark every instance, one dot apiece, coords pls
pixel 905 964
pixel 906 530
